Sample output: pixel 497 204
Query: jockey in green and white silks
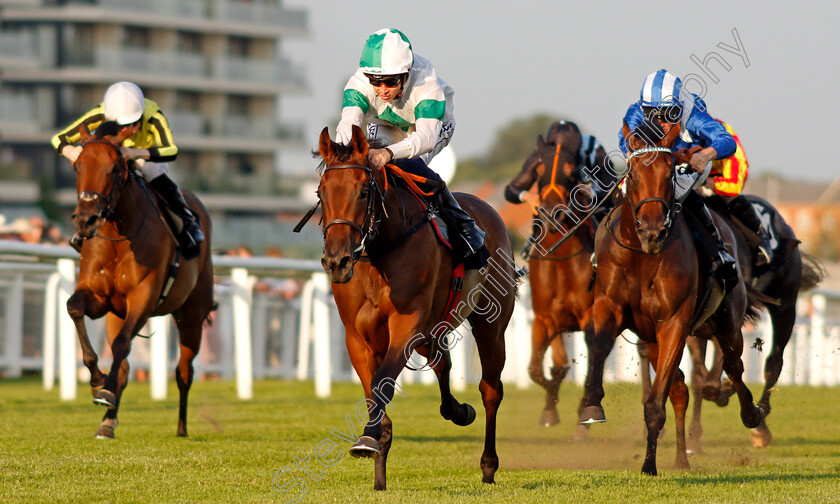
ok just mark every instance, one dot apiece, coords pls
pixel 402 101
pixel 420 121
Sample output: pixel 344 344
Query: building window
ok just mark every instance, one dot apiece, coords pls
pixel 189 43
pixel 240 164
pixel 238 105
pixel 239 47
pixel 135 37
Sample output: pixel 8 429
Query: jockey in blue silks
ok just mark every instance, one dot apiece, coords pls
pixel 664 102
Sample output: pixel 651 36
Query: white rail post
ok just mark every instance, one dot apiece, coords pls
pixel 14 326
pixel 241 285
pixel 321 333
pixel 67 331
pixel 50 329
pixel 458 356
pixel 818 347
pixel 159 356
pixel 307 297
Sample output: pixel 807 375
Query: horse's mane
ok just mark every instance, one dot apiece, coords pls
pixel 107 128
pixel 649 131
pixel 343 152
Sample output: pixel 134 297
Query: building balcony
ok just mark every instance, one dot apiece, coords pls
pixel 248 19
pixel 181 70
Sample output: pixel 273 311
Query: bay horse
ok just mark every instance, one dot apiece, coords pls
pixel 791 272
pixel 392 299
pixel 124 270
pixel 649 280
pixel 559 279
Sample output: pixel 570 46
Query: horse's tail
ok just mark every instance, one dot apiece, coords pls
pixel 813 272
pixel 209 318
pixel 519 272
pixel 756 302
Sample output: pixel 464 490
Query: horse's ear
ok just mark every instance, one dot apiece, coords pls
pixel 541 142
pixel 325 143
pixel 84 132
pixel 672 135
pixel 359 142
pixel 633 140
pixel 124 133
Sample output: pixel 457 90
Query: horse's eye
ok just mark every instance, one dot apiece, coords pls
pixel 364 194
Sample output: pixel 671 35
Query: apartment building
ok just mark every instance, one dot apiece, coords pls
pixel 216 68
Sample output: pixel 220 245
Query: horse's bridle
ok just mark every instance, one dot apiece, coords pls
pixel 111 198
pixel 671 207
pixel 370 225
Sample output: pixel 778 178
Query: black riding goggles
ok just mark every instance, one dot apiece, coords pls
pixel 387 80
pixel 669 114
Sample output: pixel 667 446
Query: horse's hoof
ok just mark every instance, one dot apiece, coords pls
pixel 581 433
pixel 104 432
pixel 465 416
pixel 592 414
pixel 760 436
pixel 105 398
pixel 365 447
pixel 549 418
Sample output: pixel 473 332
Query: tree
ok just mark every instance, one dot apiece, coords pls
pixel 512 146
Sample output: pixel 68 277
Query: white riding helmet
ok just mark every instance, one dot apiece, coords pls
pixel 387 52
pixel 124 103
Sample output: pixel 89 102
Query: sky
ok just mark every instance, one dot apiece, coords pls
pixel 771 69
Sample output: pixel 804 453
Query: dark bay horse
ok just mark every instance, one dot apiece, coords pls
pixel 791 272
pixel 124 271
pixel 559 279
pixel 649 280
pixel 392 299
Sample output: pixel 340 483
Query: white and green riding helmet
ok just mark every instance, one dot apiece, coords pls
pixel 387 52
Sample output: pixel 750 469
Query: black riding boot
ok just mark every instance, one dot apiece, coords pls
pixel 471 234
pixel 723 264
pixel 743 210
pixel 170 192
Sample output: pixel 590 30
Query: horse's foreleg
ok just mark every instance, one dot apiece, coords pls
pixel 697 351
pixel 365 363
pixel 83 303
pixel 450 408
pixel 679 400
pixel 140 306
pixel 113 324
pixel 666 353
pixel 540 340
pixel 599 344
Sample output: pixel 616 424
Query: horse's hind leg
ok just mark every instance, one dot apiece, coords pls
pixel 490 340
pixel 83 303
pixel 461 414
pixel 697 351
pixel 113 324
pixel 783 318
pixel 732 348
pixel 190 319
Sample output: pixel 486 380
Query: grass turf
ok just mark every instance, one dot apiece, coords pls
pixel 236 447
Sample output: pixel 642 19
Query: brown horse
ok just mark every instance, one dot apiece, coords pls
pixel 791 272
pixel 393 297
pixel 125 266
pixel 559 279
pixel 649 281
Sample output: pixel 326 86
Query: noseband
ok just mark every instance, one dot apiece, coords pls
pixel 370 225
pixel 110 199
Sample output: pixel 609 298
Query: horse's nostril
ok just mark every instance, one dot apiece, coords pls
pixel 343 263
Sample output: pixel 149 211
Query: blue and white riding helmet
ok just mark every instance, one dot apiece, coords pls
pixel 661 89
pixel 387 52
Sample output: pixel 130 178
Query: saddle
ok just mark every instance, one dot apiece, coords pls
pixel 427 194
